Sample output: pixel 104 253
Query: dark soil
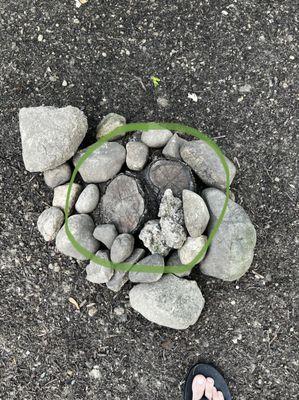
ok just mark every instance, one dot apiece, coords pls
pixel 240 59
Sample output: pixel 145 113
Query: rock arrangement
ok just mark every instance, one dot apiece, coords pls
pixel 149 198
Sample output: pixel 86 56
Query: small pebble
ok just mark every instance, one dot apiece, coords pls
pixel 137 155
pixel 58 176
pixel 122 247
pixel 60 194
pixel 156 138
pixel 88 199
pixel 105 234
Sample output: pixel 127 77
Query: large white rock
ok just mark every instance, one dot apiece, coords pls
pixel 231 251
pixel 173 302
pixel 50 136
pixel 103 164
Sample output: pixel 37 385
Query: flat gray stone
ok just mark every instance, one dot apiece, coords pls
pixel 152 260
pixel 50 136
pixel 153 238
pixel 60 194
pixel 120 278
pixel 172 148
pixel 191 248
pixel 103 164
pixel 206 163
pixel 122 247
pixel 81 227
pixel 49 223
pixel 174 260
pixel 97 273
pixel 156 137
pixel 105 233
pixel 196 213
pixel 137 155
pixel 88 199
pixel 58 176
pixel 231 251
pixel 173 302
pixel 109 123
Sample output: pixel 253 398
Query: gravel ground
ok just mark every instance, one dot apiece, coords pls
pixel 240 59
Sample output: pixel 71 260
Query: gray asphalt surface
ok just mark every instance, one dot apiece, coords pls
pixel 241 60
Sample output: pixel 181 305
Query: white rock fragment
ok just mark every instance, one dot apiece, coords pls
pixel 191 248
pixel 58 176
pixel 153 238
pixel 196 213
pixel 49 223
pixel 156 137
pixel 109 123
pixel 97 273
pixel 60 195
pixel 88 199
pixel 137 155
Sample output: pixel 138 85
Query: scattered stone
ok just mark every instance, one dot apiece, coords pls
pixel 119 311
pixel 95 373
pixel 153 238
pixel 92 311
pixel 156 138
pixel 172 148
pixel 154 260
pixel 122 247
pixel 81 227
pixel 123 203
pixel 97 273
pixel 105 234
pixel 49 223
pixel 103 164
pixel 58 176
pixel 60 194
pixel 171 221
pixel 206 163
pixel 50 136
pixel 196 213
pixel 191 248
pixel 231 251
pixel 137 155
pixel 170 174
pixel 120 278
pixel 172 302
pixel 88 199
pixel 109 123
pixel 174 260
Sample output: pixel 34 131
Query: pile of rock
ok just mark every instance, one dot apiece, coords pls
pixel 136 201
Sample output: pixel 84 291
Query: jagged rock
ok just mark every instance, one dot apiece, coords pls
pixel 231 251
pixel 137 155
pixel 97 273
pixel 50 222
pixel 171 221
pixel 103 164
pixel 196 213
pixel 105 233
pixel 173 302
pixel 88 199
pixel 120 278
pixel 172 148
pixel 156 138
pixel 81 227
pixel 58 176
pixel 191 248
pixel 122 247
pixel 206 163
pixel 154 260
pixel 153 238
pixel 170 174
pixel 60 194
pixel 50 136
pixel 123 203
pixel 109 123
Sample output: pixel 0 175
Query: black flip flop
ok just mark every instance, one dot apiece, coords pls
pixel 207 371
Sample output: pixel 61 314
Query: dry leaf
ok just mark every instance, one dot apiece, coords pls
pixel 74 302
